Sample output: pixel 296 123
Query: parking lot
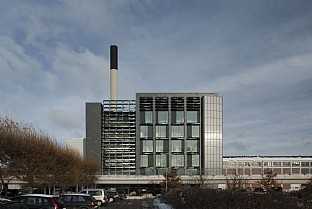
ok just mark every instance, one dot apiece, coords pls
pixel 130 204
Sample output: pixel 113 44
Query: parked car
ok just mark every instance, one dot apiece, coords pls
pixel 77 201
pixel 38 201
pixel 112 195
pixel 4 200
pixel 12 205
pixel 99 194
pixel 122 194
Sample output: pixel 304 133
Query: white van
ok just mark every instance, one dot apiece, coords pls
pixel 99 194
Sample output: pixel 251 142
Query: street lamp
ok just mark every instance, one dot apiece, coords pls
pixel 167 169
pixel 166 179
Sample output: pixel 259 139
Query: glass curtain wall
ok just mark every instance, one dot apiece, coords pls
pixel 212 135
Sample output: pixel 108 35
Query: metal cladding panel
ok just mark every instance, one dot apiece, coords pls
pixel 113 86
pixel 94 131
pixel 113 57
pixel 212 139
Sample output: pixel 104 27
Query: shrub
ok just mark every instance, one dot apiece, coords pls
pixel 201 198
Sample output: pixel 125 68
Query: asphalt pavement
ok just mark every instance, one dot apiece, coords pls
pixel 130 204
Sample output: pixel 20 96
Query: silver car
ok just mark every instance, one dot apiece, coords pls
pixel 99 194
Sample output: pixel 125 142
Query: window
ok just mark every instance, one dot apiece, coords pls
pixel 177 160
pixel 257 164
pixel 161 161
pixel 193 131
pixel 192 145
pixel 295 164
pixel 144 160
pixel 177 117
pixel 147 145
pixel 304 164
pixel 161 132
pixel 146 131
pixel 195 160
pixel 178 131
pixel 177 145
pixel 305 171
pixel 162 117
pixel 286 164
pixel 192 117
pixel 277 164
pixel 146 117
pixel 159 145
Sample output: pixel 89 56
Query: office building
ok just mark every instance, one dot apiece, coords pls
pixel 155 132
pixel 181 131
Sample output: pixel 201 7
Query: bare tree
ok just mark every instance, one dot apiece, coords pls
pixel 202 180
pixel 268 180
pixel 32 156
pixel 172 180
pixel 6 174
pixel 235 181
pixel 89 167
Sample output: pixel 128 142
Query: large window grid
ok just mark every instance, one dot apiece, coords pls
pixel 212 129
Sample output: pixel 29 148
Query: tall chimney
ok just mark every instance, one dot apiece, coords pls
pixel 114 75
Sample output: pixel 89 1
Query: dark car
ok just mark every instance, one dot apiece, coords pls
pixel 77 201
pixel 112 195
pixel 12 205
pixel 122 194
pixel 38 201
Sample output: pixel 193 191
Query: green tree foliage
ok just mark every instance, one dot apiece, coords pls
pixel 32 156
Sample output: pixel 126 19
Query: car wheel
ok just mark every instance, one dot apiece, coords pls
pixel 99 203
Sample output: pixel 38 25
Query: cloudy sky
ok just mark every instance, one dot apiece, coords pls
pixel 54 57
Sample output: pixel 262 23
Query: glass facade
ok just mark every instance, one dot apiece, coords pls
pixel 178 117
pixel 179 131
pixel 161 131
pixel 258 165
pixel 162 117
pixel 212 135
pixel 192 117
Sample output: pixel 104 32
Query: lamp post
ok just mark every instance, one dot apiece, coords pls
pixel 167 169
pixel 166 179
